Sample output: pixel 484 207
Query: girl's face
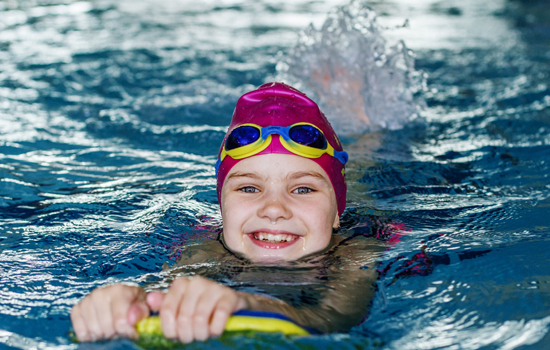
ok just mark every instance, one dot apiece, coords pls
pixel 277 207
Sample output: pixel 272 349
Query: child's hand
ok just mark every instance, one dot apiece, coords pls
pixel 195 308
pixel 109 312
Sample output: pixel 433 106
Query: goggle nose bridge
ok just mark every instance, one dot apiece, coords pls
pixel 284 132
pixel 275 130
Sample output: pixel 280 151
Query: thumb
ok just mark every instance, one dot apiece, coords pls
pixel 154 300
pixel 137 311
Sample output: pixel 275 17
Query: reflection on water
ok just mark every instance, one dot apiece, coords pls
pixel 111 115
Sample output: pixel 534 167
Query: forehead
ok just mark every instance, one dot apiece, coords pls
pixel 277 165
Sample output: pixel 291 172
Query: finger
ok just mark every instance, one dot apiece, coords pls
pixel 205 308
pixel 154 300
pixel 92 321
pixel 186 321
pixel 101 301
pixel 136 308
pixel 79 324
pixel 219 320
pixel 170 305
pixel 137 312
pixel 223 309
pixel 127 307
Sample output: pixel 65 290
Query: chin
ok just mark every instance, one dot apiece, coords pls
pixel 271 259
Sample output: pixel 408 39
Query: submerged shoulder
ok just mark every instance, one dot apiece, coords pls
pixel 357 251
pixel 202 252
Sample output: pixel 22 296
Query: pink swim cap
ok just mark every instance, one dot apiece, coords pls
pixel 277 104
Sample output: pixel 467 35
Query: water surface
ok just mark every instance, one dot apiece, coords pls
pixel 112 112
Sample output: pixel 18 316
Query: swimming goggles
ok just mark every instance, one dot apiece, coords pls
pixel 302 139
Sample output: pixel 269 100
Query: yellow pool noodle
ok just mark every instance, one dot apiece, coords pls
pixel 152 325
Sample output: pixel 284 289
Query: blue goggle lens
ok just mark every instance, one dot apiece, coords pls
pixel 308 135
pixel 242 136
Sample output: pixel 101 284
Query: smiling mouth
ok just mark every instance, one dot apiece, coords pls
pixel 274 238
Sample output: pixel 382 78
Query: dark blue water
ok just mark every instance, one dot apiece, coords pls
pixel 112 112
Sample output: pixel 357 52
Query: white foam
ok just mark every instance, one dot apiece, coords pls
pixel 360 82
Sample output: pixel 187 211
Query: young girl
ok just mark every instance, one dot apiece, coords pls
pixel 281 187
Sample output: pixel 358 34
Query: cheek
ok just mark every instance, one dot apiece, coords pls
pixel 320 219
pixel 330 211
pixel 325 213
pixel 234 216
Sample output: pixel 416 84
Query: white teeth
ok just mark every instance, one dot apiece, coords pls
pixel 273 238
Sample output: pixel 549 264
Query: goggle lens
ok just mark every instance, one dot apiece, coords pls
pixel 242 136
pixel 308 135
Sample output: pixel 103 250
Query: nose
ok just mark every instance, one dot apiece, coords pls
pixel 274 208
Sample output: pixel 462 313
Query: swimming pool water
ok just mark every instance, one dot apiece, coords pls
pixel 112 112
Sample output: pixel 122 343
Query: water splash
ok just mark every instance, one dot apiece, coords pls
pixel 359 80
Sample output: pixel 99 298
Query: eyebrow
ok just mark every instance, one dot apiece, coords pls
pixel 300 174
pixel 237 174
pixel 293 176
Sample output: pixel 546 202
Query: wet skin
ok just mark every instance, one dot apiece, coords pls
pixel 277 207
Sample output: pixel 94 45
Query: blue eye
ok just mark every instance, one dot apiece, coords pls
pixel 303 190
pixel 249 189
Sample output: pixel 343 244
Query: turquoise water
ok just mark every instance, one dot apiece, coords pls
pixel 111 115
